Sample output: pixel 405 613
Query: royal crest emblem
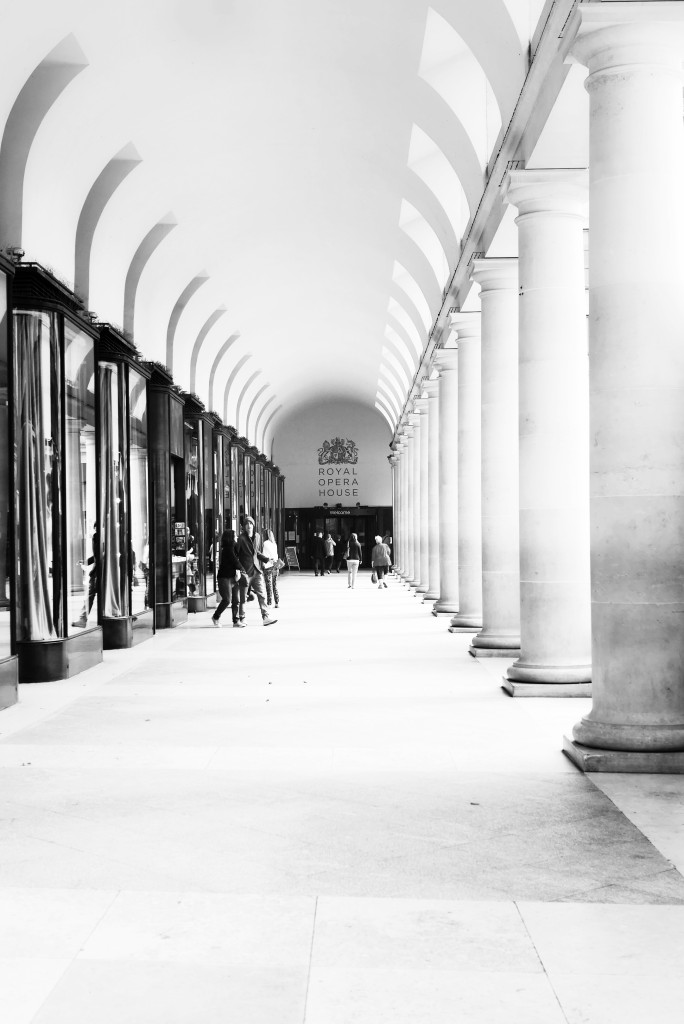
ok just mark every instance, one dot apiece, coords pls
pixel 337 450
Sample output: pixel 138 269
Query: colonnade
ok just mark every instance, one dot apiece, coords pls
pixel 538 473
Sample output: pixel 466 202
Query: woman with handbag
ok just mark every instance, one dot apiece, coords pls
pixel 380 562
pixel 271 569
pixel 353 556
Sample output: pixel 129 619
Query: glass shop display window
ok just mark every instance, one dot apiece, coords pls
pixel 235 504
pixel 56 540
pixel 179 531
pixel 194 508
pixel 113 534
pixel 139 493
pixel 5 501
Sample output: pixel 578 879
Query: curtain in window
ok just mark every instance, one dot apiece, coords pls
pixel 114 591
pixel 37 475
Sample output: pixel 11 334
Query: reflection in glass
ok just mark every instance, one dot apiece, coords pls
pixel 83 546
pixel 194 507
pixel 235 510
pixel 37 376
pixel 5 569
pixel 140 543
pixel 179 589
pixel 113 491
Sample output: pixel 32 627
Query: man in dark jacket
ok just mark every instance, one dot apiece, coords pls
pixel 250 557
pixel 318 554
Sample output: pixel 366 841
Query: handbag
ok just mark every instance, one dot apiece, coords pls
pixel 280 564
pixel 374 577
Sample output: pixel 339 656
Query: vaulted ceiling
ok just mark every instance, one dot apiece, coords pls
pixel 271 196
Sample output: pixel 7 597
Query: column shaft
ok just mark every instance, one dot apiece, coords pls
pixel 446 360
pixel 500 634
pixel 555 606
pixel 421 405
pixel 432 391
pixel 636 368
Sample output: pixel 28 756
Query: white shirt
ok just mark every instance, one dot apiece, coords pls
pixel 270 549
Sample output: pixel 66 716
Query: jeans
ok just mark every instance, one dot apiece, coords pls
pixel 352 569
pixel 319 566
pixel 228 589
pixel 256 582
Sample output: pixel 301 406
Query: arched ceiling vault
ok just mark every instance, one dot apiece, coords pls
pixel 324 163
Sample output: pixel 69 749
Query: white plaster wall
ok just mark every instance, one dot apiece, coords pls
pixel 295 450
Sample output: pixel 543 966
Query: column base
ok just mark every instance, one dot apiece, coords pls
pixel 431 597
pixel 493 645
pixel 529 672
pixel 445 608
pixel 637 762
pixel 422 588
pixel 466 624
pixel 464 629
pixel 493 652
pixel 521 689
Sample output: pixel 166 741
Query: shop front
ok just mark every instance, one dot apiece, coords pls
pixel 9 667
pixel 56 540
pixel 302 524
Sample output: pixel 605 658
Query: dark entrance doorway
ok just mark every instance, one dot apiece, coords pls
pixel 365 522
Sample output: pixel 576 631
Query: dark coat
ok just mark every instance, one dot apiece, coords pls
pixel 354 550
pixel 229 564
pixel 248 550
pixel 318 549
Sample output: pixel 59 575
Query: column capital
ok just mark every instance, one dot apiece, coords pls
pixel 445 359
pixel 466 325
pixel 431 388
pixel 609 37
pixel 495 275
pixel 548 190
pixel 414 419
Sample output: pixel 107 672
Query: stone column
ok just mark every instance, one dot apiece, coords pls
pixel 421 407
pixel 446 361
pixel 431 391
pixel 636 374
pixel 415 420
pixel 396 499
pixel 402 449
pixel 500 633
pixel 553 368
pixel 469 617
pixel 410 501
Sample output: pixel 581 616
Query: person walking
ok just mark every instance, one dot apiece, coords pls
pixel 318 554
pixel 271 569
pixel 354 555
pixel 229 574
pixel 251 558
pixel 340 547
pixel 381 561
pixel 329 553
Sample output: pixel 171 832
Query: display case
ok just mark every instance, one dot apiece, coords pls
pixel 9 665
pixel 166 439
pixel 126 609
pixel 55 479
pixel 196 452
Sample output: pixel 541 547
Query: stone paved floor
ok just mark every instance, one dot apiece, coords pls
pixel 337 820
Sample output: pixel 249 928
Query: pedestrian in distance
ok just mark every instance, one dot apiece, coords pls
pixel 271 570
pixel 252 559
pixel 329 552
pixel 340 547
pixel 353 556
pixel 229 575
pixel 381 561
pixel 318 554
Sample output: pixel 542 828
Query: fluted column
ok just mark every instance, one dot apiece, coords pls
pixel 446 361
pixel 421 407
pixel 432 393
pixel 469 616
pixel 636 373
pixel 500 633
pixel 415 420
pixel 555 605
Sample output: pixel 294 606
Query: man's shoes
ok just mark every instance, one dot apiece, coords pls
pixel 81 623
pixel 384 585
pixel 238 625
pixel 268 621
pixel 242 617
pixel 215 622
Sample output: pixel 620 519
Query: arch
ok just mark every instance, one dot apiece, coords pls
pixel 41 89
pixel 404 300
pixel 401 322
pixel 152 240
pixel 386 417
pixel 494 43
pixel 240 400
pixel 101 191
pixel 386 405
pixel 214 366
pixel 181 302
pixel 199 341
pixel 412 257
pixel 413 223
pixel 386 394
pixel 229 383
pixel 251 407
pixel 407 283
pixel 390 358
pixel 395 334
pixel 394 383
pixel 263 409
pixel 446 131
pixel 266 426
pixel 419 194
